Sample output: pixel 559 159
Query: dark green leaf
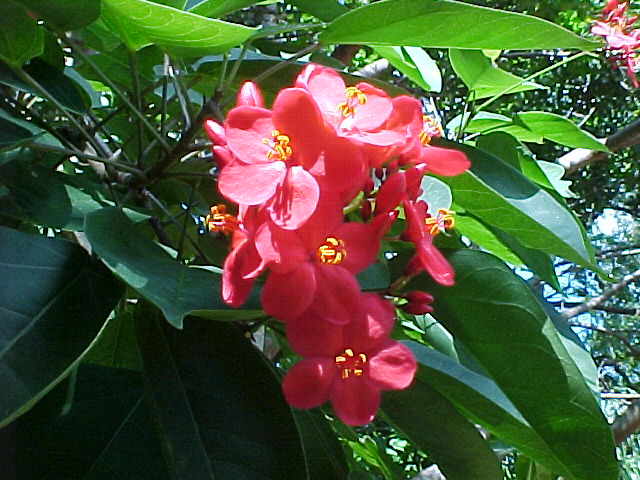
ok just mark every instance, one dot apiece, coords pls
pixel 325 11
pixel 433 424
pixel 180 33
pixel 244 425
pixel 64 14
pixel 501 196
pixel 219 8
pixel 415 64
pixel 21 39
pixel 11 133
pixel 175 288
pixel 53 302
pixel 95 427
pixel 488 299
pixel 482 77
pixel 447 24
pixel 116 344
pixel 559 130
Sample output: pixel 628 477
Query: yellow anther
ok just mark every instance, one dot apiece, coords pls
pixel 279 146
pixel 431 128
pixel 218 220
pixel 350 363
pixel 332 251
pixel 443 221
pixel 354 98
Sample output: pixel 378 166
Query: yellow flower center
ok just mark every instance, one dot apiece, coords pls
pixel 279 146
pixel 431 128
pixel 218 220
pixel 354 98
pixel 350 364
pixel 332 251
pixel 443 221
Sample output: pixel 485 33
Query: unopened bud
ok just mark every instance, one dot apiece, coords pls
pixel 249 96
pixel 215 132
pixel 222 155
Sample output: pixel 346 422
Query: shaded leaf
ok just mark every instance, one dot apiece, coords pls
pixel 175 288
pixel 559 130
pixel 116 344
pixel 21 39
pixel 64 14
pixel 434 425
pixel 54 301
pixel 447 24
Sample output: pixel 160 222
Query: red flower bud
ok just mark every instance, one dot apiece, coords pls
pixel 215 132
pixel 249 95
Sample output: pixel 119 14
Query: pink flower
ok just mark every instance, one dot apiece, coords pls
pixel 348 365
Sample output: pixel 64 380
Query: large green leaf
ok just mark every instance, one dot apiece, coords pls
pixel 95 427
pixel 180 33
pixel 64 14
pixel 502 197
pixel 21 39
pixel 434 424
pixel 218 8
pixel 175 288
pixel 447 24
pixel 53 302
pixel 11 133
pixel 218 404
pixel 483 78
pixel 530 364
pixel 559 130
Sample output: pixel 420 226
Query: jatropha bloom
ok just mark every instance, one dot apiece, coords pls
pixel 299 172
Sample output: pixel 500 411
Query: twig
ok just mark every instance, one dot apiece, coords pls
pixel 635 352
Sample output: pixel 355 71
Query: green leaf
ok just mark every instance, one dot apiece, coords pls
pixel 482 236
pixel 239 417
pixel 481 400
pixel 485 122
pixel 488 299
pixel 219 8
pixel 323 453
pixel 116 344
pixel 482 77
pixel 21 39
pixel 415 64
pixel 95 427
pixel 64 14
pixel 448 24
pixel 11 133
pixel 436 194
pixel 554 174
pixel 325 11
pixel 53 302
pixel 178 32
pixel 434 425
pixel 501 196
pixel 174 288
pixel 559 130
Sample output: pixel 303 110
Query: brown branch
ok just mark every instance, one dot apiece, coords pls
pixel 580 157
pixel 594 302
pixel 633 350
pixel 635 311
pixel 627 423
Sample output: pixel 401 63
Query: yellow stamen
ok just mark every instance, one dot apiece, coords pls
pixel 350 363
pixel 354 98
pixel 443 221
pixel 218 220
pixel 279 144
pixel 332 251
pixel 431 128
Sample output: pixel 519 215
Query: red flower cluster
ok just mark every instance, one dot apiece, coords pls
pixel 622 41
pixel 292 170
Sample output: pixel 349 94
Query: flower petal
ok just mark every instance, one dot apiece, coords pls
pixel 375 111
pixel 373 324
pixel 355 400
pixel 392 367
pixel 241 261
pixel 246 128
pixel 361 244
pixel 251 184
pixel 286 295
pixel 280 249
pixel 309 382
pixel 337 293
pixel 310 335
pixel 295 199
pixel 434 262
pixel 444 161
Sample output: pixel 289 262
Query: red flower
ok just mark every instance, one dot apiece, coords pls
pixel 349 364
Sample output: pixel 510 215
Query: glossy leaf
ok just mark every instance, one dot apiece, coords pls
pixel 559 130
pixel 493 122
pixel 415 64
pixel 433 424
pixel 95 427
pixel 488 298
pixel 482 236
pixel 21 39
pixel 483 78
pixel 219 8
pixel 53 302
pixel 64 14
pixel 501 196
pixel 180 33
pixel 211 371
pixel 175 288
pixel 447 24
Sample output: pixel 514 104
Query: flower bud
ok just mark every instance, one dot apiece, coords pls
pixel 215 132
pixel 249 95
pixel 222 155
